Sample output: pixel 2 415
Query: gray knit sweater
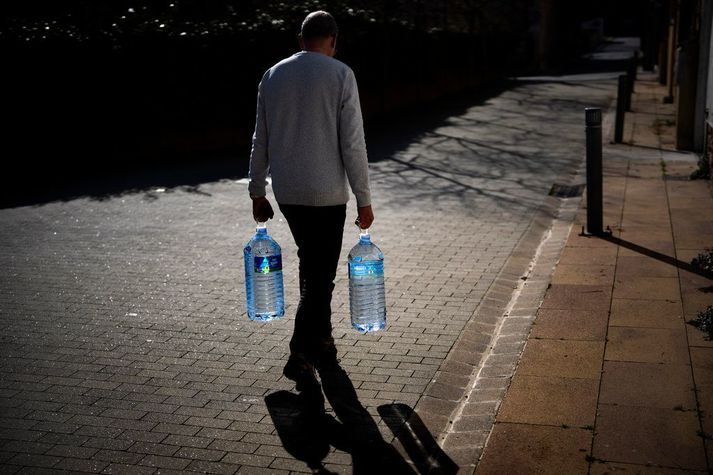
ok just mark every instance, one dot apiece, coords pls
pixel 309 134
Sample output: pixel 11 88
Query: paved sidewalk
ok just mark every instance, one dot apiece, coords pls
pixel 612 378
pixel 125 347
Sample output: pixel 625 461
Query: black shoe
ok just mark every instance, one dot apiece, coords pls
pixel 299 370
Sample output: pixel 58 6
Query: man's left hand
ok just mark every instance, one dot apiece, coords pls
pixel 365 217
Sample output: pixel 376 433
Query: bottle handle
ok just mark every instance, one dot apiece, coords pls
pixel 364 233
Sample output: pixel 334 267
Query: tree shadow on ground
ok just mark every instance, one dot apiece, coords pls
pixel 500 152
pixel 308 434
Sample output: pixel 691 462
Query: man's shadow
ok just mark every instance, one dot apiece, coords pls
pixel 307 434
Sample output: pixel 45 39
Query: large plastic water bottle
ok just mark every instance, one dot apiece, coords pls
pixel 263 277
pixel 367 302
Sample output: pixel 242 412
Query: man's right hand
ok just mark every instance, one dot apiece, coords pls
pixel 262 210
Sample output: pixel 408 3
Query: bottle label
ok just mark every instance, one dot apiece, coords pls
pixel 358 269
pixel 267 264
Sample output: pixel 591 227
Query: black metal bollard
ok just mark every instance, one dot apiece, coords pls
pixel 634 66
pixel 593 120
pixel 631 79
pixel 629 86
pixel 620 109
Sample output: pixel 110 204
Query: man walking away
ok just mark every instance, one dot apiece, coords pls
pixel 309 137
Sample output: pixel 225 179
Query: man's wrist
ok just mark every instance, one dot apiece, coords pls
pixel 254 197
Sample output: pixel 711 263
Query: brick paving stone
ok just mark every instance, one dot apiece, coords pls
pixel 200 454
pixel 212 467
pixel 153 448
pixel 248 459
pixel 39 471
pixel 58 427
pixel 108 443
pixel 71 451
pixel 229 445
pixel 249 470
pixel 117 456
pixel 162 462
pixel 142 436
pixel 34 460
pixel 73 440
pixel 81 465
pixel 180 440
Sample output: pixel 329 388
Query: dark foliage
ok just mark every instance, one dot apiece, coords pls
pixel 704 322
pixel 704 261
pixel 97 86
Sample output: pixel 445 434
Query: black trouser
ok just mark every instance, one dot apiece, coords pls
pixel 317 231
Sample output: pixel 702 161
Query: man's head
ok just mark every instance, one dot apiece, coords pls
pixel 319 33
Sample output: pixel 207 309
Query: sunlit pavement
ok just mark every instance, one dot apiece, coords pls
pixel 125 342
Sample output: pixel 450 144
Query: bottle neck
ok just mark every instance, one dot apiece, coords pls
pixel 364 236
pixel 261 228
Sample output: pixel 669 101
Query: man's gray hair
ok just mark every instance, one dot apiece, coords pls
pixel 317 25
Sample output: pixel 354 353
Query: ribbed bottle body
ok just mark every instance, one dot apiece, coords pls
pixel 264 289
pixel 367 295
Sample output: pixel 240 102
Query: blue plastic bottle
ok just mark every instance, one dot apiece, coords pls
pixel 263 277
pixel 367 300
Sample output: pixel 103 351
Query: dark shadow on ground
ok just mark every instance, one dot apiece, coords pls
pixel 116 179
pixel 102 176
pixel 422 448
pixel 108 178
pixel 657 255
pixel 307 434
pixel 303 435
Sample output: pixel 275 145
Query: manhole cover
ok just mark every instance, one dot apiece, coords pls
pixel 566 191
